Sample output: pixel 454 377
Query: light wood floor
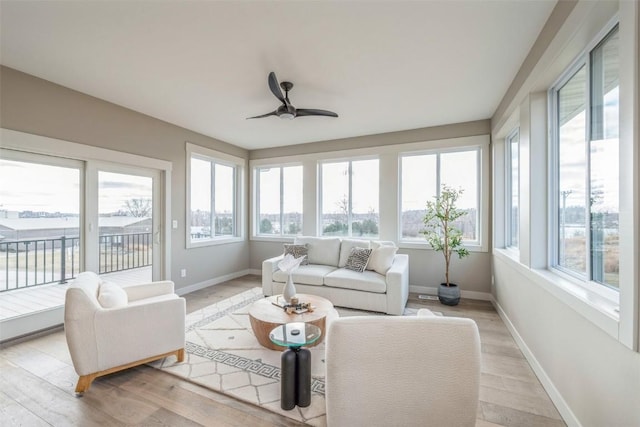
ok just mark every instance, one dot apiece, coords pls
pixel 37 382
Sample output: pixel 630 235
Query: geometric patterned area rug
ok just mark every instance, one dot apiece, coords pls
pixel 223 354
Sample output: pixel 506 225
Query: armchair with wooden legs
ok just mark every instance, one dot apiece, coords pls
pixel 110 328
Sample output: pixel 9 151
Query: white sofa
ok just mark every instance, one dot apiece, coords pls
pixel 384 290
pixel 110 328
pixel 402 371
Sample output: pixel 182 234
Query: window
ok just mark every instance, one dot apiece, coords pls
pixel 513 189
pixel 279 201
pixel 586 167
pixel 213 201
pixel 350 198
pixel 422 175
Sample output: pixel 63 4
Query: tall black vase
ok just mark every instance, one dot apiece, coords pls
pixel 449 295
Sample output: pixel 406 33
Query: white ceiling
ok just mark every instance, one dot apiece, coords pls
pixel 382 66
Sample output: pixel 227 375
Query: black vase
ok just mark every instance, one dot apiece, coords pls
pixel 449 295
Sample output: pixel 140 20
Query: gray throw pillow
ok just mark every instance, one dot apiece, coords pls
pixel 297 251
pixel 358 259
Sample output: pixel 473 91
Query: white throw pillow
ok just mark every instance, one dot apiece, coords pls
pixel 376 244
pixel 381 259
pixel 111 295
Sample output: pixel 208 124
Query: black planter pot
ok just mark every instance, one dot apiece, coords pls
pixel 449 295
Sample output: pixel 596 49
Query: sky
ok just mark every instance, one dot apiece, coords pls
pixel 43 188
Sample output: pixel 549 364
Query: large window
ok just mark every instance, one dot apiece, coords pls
pixel 422 176
pixel 513 189
pixel 279 200
pixel 350 198
pixel 586 166
pixel 213 198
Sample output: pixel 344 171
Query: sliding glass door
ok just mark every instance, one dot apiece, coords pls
pixel 40 217
pixel 59 217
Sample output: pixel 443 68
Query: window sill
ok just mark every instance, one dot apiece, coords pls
pixel 594 306
pixel 416 244
pixel 278 239
pixel 214 242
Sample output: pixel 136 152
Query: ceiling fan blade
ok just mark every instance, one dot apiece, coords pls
pixel 273 113
pixel 275 87
pixel 314 112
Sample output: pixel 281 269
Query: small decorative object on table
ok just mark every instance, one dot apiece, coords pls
pixel 295 306
pixel 288 264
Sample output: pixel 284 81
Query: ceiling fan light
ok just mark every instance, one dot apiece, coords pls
pixel 287 116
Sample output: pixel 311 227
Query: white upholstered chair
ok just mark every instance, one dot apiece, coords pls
pixel 402 371
pixel 110 328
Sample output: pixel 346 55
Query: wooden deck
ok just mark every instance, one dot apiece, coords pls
pixel 23 302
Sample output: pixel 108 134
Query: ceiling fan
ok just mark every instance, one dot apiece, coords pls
pixel 286 110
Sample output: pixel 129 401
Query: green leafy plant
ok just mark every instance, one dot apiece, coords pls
pixel 440 230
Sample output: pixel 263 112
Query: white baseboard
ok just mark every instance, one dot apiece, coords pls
pixel 255 271
pixel 483 296
pixel 15 327
pixel 214 281
pixel 562 406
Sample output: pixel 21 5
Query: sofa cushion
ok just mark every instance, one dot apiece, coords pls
pixel 382 256
pixel 345 249
pixel 312 274
pixel 368 281
pixel 111 295
pixel 297 251
pixel 358 259
pixel 321 250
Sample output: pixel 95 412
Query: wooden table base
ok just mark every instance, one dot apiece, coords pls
pixel 265 317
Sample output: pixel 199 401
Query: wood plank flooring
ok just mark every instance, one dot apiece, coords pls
pixel 37 382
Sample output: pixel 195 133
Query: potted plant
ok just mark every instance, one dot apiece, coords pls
pixel 443 236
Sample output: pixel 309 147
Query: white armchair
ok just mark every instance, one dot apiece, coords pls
pixel 407 371
pixel 111 328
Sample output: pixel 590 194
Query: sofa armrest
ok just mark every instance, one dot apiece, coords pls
pixel 148 290
pixel 269 266
pixel 398 284
pixel 139 331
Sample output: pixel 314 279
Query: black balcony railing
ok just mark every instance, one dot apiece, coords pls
pixel 27 263
pixel 120 252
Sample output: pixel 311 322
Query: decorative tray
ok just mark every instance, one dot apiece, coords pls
pixel 299 308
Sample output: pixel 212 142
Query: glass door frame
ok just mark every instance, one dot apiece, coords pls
pixel 91 209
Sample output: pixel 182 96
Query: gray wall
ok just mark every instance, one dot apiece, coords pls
pixel 32 105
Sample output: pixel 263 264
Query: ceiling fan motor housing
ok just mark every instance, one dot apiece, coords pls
pixel 286 111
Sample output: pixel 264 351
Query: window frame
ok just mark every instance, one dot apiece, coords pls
pixel 255 170
pixel 478 245
pixel 319 191
pixel 238 164
pixel 566 275
pixel 508 236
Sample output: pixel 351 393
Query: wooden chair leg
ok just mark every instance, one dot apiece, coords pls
pixel 84 382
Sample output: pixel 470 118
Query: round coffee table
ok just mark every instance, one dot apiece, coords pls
pixel 265 316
